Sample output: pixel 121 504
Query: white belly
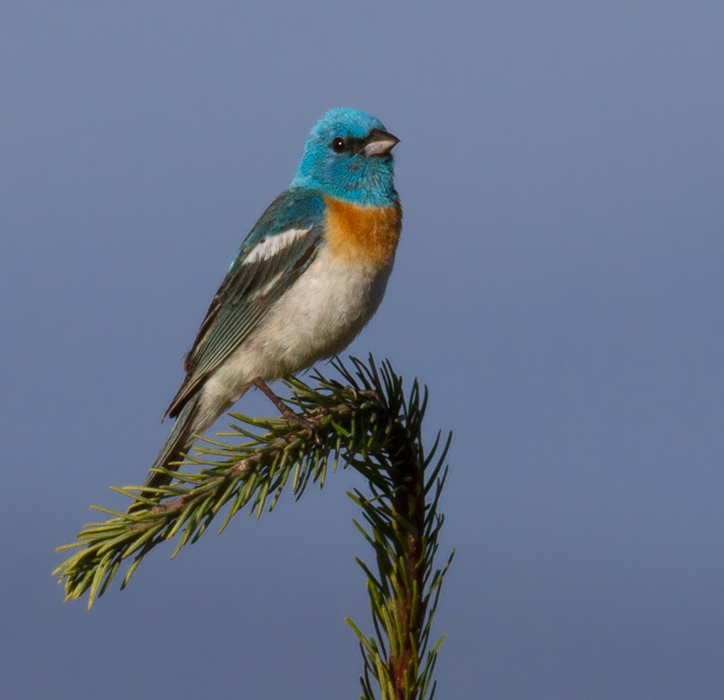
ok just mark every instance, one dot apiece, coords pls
pixel 317 318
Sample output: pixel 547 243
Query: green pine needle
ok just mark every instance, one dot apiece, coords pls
pixel 368 422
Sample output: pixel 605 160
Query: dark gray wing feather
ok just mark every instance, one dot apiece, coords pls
pixel 252 286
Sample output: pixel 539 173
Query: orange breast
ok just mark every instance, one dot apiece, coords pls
pixel 362 234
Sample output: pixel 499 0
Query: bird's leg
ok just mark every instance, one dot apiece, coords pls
pixel 287 412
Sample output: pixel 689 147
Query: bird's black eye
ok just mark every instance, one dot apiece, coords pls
pixel 338 145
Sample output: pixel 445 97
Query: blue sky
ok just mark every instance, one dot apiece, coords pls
pixel 559 287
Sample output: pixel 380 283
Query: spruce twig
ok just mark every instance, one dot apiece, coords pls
pixel 368 423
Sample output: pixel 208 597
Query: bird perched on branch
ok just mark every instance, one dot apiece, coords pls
pixel 306 280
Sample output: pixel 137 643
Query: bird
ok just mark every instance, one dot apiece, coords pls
pixel 306 280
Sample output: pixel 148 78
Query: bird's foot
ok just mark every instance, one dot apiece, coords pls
pixel 287 412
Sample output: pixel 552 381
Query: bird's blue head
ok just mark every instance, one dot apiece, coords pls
pixel 348 156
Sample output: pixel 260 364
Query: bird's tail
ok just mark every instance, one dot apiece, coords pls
pixel 177 443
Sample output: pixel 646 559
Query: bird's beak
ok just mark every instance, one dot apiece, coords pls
pixel 379 143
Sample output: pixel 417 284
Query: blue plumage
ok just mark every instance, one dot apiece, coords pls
pixel 345 175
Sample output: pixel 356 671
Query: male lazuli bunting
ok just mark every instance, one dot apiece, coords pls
pixel 306 280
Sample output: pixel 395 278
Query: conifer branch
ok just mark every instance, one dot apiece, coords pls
pixel 368 423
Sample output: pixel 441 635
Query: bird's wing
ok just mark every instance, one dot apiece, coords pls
pixel 276 252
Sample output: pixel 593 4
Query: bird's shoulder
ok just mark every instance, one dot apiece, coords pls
pixel 295 209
